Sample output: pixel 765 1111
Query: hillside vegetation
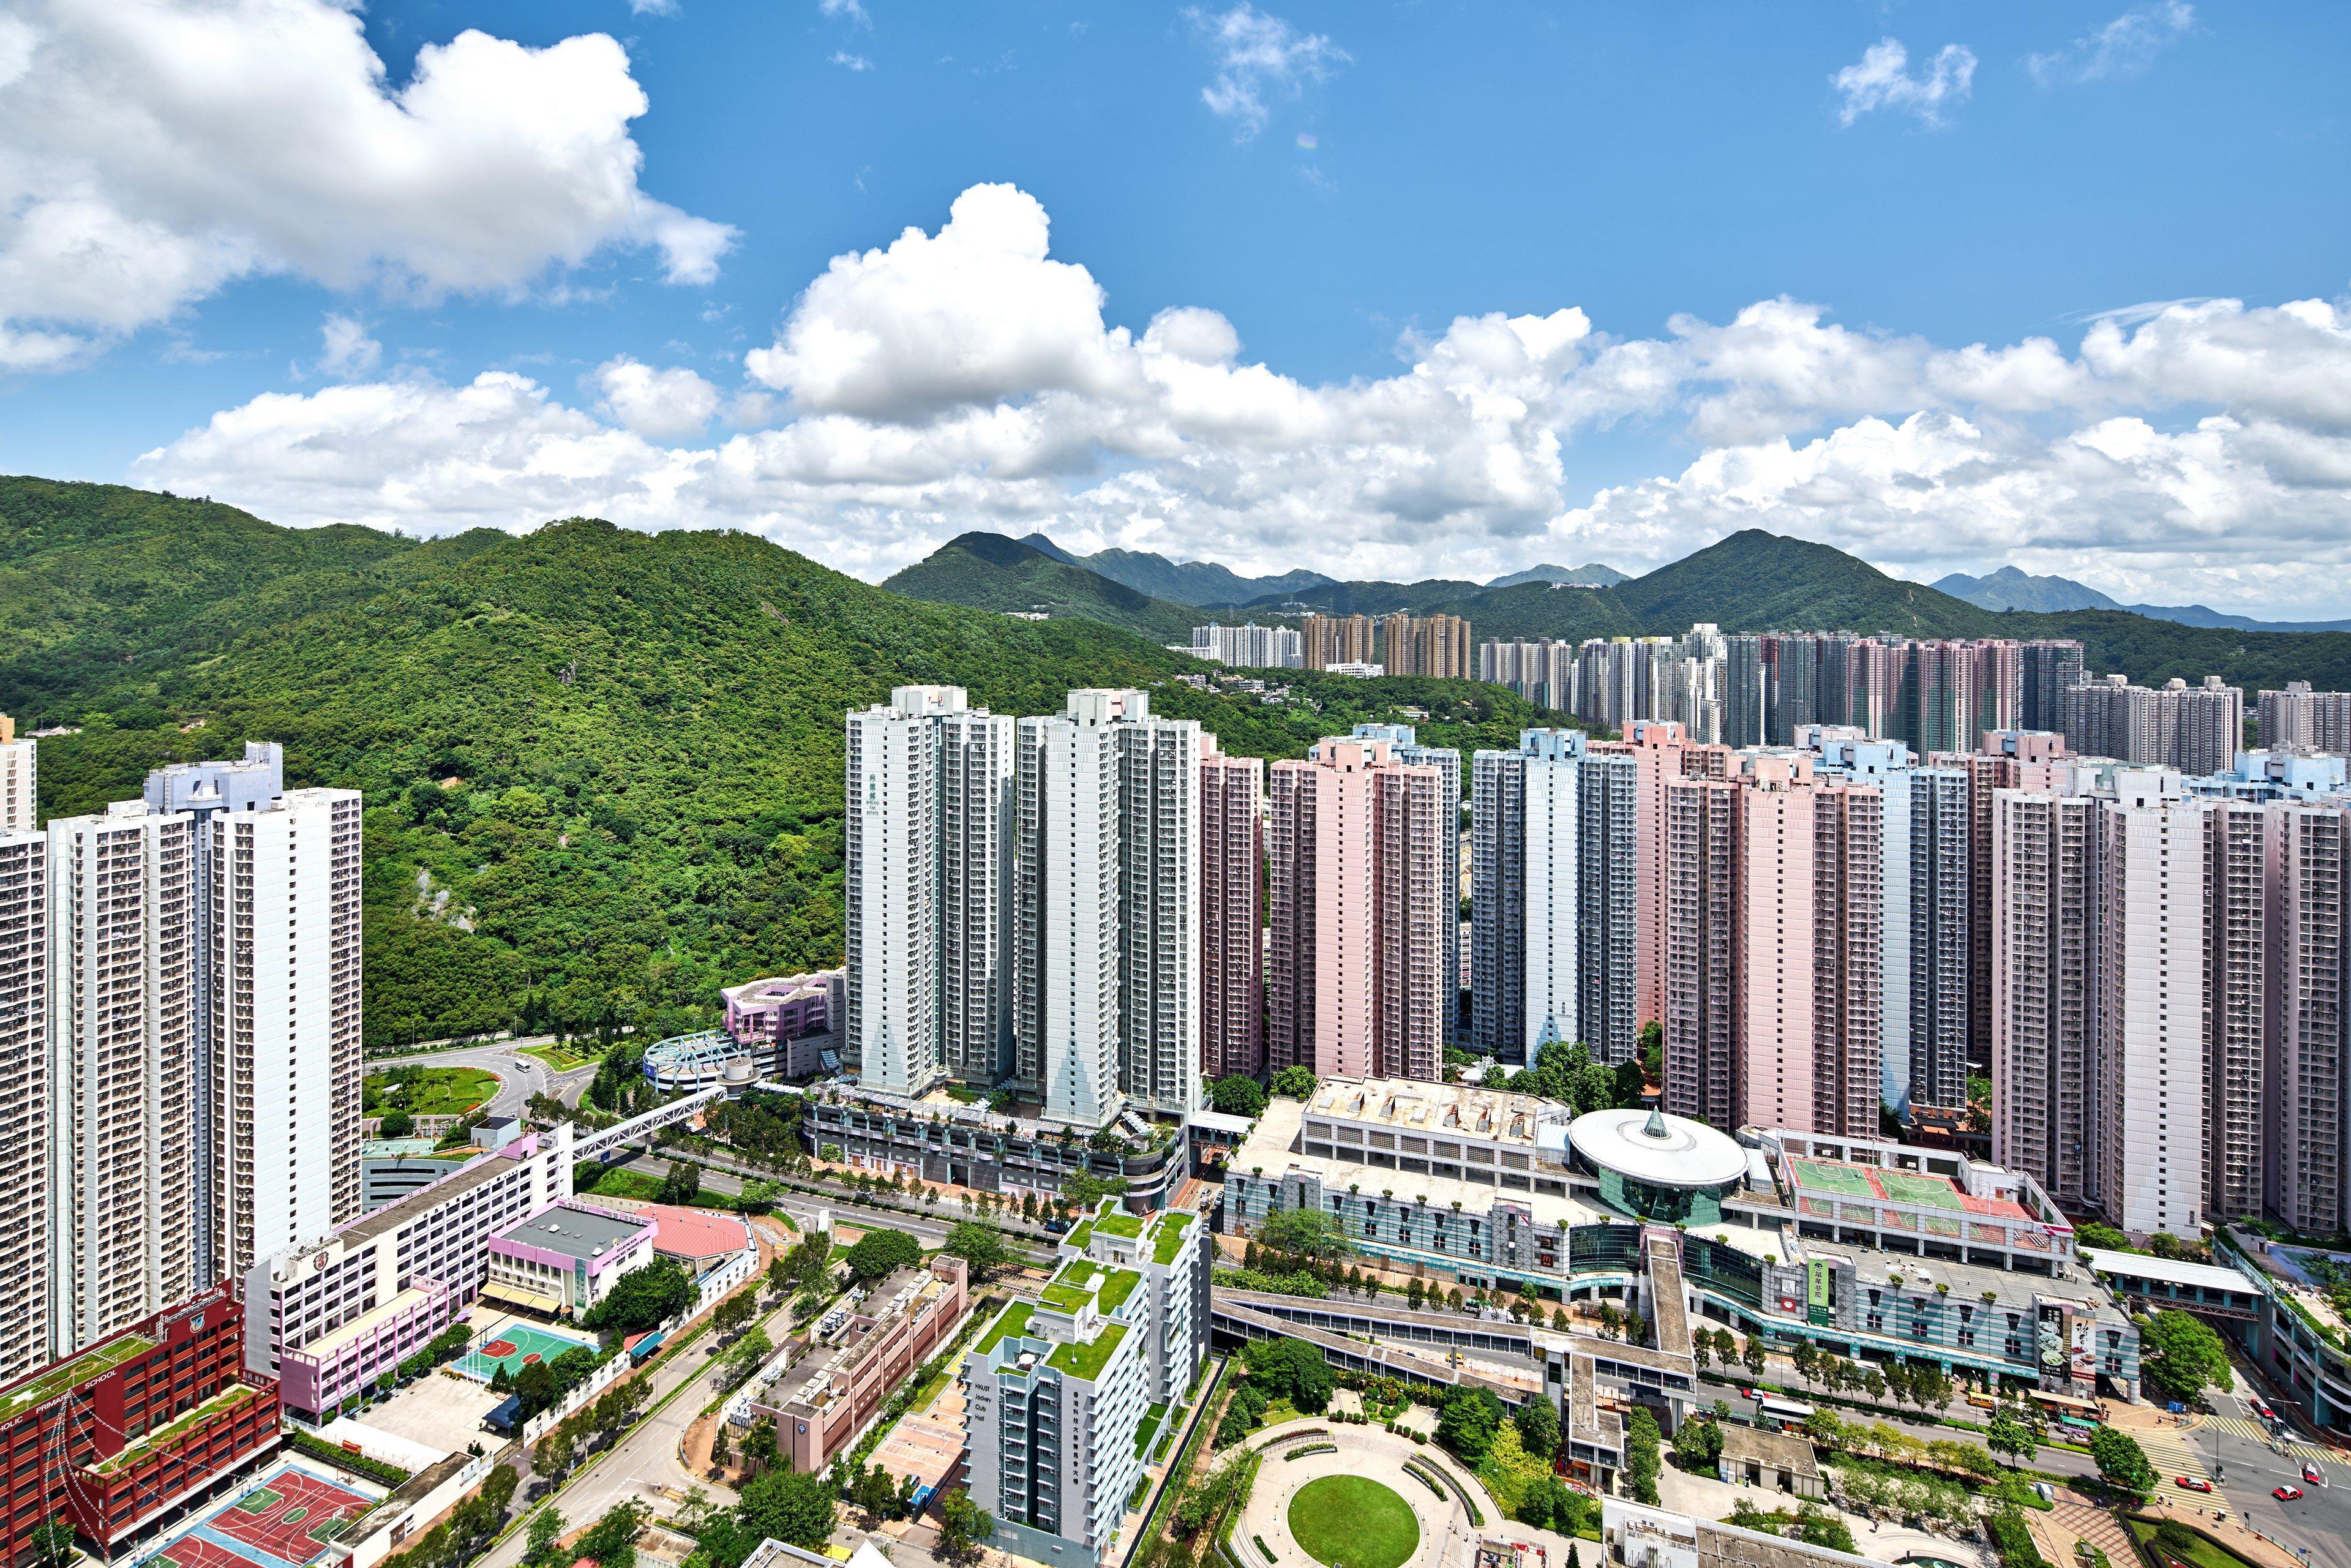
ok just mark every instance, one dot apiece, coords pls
pixel 988 572
pixel 1756 581
pixel 602 768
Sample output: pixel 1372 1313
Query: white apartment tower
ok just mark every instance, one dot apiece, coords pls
pixel 283 900
pixel 123 1003
pixel 1159 909
pixel 1066 973
pixel 24 1100
pixel 2151 1001
pixel 929 797
pixel 1554 873
pixel 206 791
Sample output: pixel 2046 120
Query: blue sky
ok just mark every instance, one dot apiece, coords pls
pixel 1351 191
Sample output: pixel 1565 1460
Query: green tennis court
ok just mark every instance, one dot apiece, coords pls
pixel 514 1346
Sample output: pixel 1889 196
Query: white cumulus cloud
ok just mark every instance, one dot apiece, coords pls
pixel 1882 78
pixel 968 378
pixel 2122 47
pixel 671 402
pixel 153 150
pixel 345 350
pixel 1259 56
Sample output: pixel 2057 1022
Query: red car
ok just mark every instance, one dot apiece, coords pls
pixel 2285 1494
pixel 2313 1475
pixel 2192 1483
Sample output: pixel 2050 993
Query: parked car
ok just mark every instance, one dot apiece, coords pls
pixel 2286 1493
pixel 2192 1483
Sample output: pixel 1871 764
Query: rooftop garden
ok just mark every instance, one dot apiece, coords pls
pixel 140 1448
pixel 66 1374
pixel 1167 1235
pixel 1083 1234
pixel 1013 1319
pixel 1116 1287
pixel 1086 1358
pixel 1118 1222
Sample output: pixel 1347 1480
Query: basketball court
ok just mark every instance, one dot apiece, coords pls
pixel 514 1345
pixel 286 1520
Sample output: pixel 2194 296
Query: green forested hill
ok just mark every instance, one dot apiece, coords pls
pixel 603 768
pixel 988 572
pixel 95 577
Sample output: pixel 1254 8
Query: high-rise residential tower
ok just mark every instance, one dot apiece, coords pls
pixel 2045 954
pixel 1405 743
pixel 2150 989
pixel 1361 917
pixel 2236 963
pixel 1159 907
pixel 2299 719
pixel 2309 1066
pixel 123 1001
pixel 1698 962
pixel 1552 926
pixel 1498 901
pixel 1232 924
pixel 284 1077
pixel 206 791
pixel 927 891
pixel 24 1076
pixel 1066 957
pixel 20 780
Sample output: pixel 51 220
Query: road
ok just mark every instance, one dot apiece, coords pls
pixel 519 1076
pixel 2229 1445
pixel 930 1229
pixel 645 1464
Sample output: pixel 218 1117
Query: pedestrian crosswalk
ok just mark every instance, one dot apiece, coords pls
pixel 2252 1431
pixel 2172 1452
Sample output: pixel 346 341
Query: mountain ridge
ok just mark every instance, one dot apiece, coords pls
pixel 2010 589
pixel 602 767
pixel 1753 580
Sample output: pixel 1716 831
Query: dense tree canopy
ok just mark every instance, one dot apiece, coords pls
pixel 642 1299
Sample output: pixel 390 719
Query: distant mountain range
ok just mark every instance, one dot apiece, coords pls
pixel 1178 581
pixel 1751 582
pixel 2008 588
pixel 1590 575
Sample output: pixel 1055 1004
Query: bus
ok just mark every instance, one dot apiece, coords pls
pixel 2081 1412
pixel 1781 1414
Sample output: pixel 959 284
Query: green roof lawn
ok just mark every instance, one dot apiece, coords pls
pixel 1063 1298
pixel 1081 1234
pixel 72 1373
pixel 1116 1287
pixel 1013 1318
pixel 1122 1223
pixel 1087 1358
pixel 1167 1235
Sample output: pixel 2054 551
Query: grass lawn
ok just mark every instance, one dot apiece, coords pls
pixel 2204 1555
pixel 562 1061
pixel 1348 1520
pixel 428 1091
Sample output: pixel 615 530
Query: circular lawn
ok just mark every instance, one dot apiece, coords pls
pixel 1347 1521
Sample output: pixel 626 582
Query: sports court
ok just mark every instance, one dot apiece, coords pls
pixel 284 1521
pixel 1825 1180
pixel 514 1345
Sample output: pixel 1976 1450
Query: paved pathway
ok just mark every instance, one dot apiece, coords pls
pixel 1448 1540
pixel 519 1076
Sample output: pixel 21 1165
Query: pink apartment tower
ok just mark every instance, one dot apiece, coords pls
pixel 1360 914
pixel 1232 969
pixel 1773 922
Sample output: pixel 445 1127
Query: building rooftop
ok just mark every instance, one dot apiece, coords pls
pixel 403 1148
pixel 695 1236
pixel 1818 1186
pixel 2171 1270
pixel 1168 1233
pixel 73 1372
pixel 1652 1148
pixel 576 1233
pixel 1408 1104
pixel 486 1167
